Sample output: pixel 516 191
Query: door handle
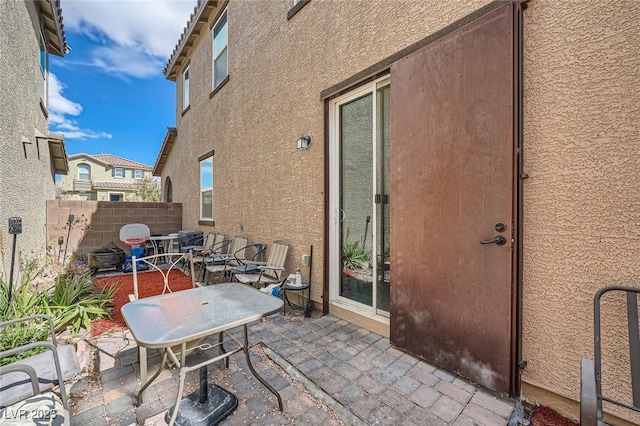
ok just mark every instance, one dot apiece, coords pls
pixel 499 240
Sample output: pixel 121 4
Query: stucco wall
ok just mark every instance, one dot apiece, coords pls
pixel 26 178
pixel 265 188
pixel 582 197
pixel 581 111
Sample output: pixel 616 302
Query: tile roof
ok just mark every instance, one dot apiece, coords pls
pixel 114 185
pixel 114 161
pixel 197 20
pixel 51 18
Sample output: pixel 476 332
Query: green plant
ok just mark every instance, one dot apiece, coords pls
pixel 24 301
pixel 72 302
pixel 353 256
pixel 148 190
pixel 75 301
pixel 21 334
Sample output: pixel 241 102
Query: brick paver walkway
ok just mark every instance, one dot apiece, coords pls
pixel 328 371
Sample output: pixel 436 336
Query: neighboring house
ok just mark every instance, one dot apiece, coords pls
pixel 482 157
pixel 30 157
pixel 103 177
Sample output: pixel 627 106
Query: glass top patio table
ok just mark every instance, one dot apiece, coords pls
pixel 185 316
pixel 174 318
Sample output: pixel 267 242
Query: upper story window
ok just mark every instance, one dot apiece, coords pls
pixel 44 67
pixel 138 174
pixel 117 172
pixel 185 89
pixel 220 56
pixel 84 172
pixel 206 187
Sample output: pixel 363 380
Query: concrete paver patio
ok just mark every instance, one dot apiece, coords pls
pixel 328 371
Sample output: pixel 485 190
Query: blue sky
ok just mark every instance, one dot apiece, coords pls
pixel 108 94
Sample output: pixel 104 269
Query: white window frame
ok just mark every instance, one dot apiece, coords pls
pixel 185 88
pixel 118 172
pixel 80 166
pixel 44 67
pixel 225 47
pixel 335 214
pixel 206 186
pixel 83 196
pixel 138 174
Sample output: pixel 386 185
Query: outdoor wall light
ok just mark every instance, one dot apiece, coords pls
pixel 303 142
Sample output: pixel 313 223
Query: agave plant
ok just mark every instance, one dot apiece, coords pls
pixel 354 256
pixel 75 301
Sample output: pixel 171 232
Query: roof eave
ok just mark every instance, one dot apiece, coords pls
pixel 58 153
pixel 51 18
pixel 197 20
pixel 167 144
pixel 97 160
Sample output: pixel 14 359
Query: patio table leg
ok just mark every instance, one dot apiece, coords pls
pixel 221 351
pixel 254 372
pixel 143 374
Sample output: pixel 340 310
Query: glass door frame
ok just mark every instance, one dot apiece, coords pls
pixel 334 214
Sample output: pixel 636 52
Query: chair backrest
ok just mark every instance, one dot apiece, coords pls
pixel 630 296
pixel 278 253
pixel 251 252
pixel 151 263
pixel 238 245
pixel 215 241
pixel 46 369
pixel 222 247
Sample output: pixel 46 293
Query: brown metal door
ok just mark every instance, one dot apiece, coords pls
pixel 452 165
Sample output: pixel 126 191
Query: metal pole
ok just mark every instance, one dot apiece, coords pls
pixel 13 258
pixel 307 311
pixel 366 229
pixel 69 221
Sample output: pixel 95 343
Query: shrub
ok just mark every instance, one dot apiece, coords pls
pixel 75 301
pixel 353 256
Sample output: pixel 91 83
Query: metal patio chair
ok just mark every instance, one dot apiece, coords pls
pixel 216 263
pixel 269 272
pixel 26 385
pixel 591 395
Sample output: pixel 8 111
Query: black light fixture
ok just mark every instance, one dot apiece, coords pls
pixel 303 142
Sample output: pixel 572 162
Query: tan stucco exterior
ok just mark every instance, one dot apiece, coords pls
pixel 277 69
pixel 102 183
pixel 581 109
pixel 26 169
pixel 582 197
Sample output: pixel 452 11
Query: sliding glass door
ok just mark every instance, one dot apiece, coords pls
pixel 360 199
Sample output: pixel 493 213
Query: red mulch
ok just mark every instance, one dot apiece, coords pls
pixel 544 416
pixel 149 284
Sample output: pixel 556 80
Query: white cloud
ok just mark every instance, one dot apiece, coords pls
pixel 137 36
pixel 60 108
pixel 121 60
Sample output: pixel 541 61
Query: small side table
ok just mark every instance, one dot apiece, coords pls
pixel 293 287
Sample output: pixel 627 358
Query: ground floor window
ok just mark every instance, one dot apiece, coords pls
pixel 116 196
pixel 206 186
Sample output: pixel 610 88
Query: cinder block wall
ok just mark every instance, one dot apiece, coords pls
pixel 97 223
